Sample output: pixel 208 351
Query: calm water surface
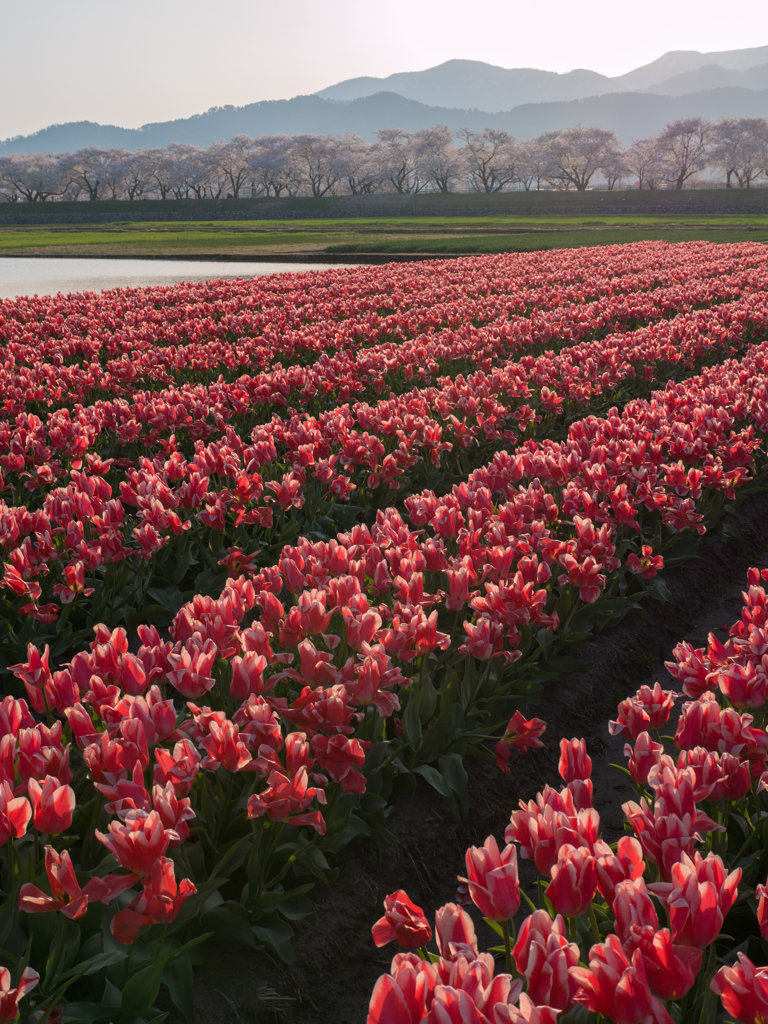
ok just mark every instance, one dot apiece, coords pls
pixel 47 276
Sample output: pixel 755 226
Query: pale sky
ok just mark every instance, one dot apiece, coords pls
pixel 128 63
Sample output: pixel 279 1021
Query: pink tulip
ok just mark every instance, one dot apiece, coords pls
pixel 53 805
pixel 66 893
pixel 634 912
pixel 575 763
pixel 543 954
pixel 616 986
pixel 743 991
pixel 612 868
pixel 403 921
pixel 9 997
pixel 574 881
pixel 492 880
pixel 455 933
pixel 698 898
pixel 138 842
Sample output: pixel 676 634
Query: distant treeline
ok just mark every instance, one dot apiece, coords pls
pixel 733 152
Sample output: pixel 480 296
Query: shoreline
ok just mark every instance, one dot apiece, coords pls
pixel 309 258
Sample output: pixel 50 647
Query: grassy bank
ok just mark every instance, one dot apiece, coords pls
pixel 370 235
pixel 558 239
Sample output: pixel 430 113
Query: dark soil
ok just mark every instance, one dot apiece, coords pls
pixel 337 963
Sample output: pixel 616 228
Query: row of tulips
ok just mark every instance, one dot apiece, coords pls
pixel 191 505
pixel 116 340
pixel 180 407
pixel 350 682
pixel 669 918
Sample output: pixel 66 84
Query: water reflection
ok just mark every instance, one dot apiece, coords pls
pixel 49 275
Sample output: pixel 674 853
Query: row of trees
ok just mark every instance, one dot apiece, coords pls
pixel 734 152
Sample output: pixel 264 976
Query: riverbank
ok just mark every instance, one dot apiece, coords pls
pixel 367 237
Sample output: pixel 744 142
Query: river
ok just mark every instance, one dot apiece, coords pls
pixel 48 275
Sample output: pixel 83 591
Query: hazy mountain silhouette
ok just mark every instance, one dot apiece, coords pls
pixel 635 105
pixel 472 83
pixel 712 76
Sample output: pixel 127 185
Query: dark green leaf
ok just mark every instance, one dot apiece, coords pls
pixel 140 991
pixel 276 934
pixel 412 723
pixel 452 768
pixel 179 979
pixel 230 929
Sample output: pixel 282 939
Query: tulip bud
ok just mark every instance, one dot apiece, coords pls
pixel 53 805
pixel 575 763
pixel 574 881
pixel 492 880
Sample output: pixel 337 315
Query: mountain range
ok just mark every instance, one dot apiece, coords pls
pixel 524 101
pixel 471 83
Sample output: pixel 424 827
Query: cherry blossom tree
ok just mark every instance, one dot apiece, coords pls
pixel 684 146
pixel 645 160
pixel 35 177
pixel 491 157
pixel 439 161
pixel 578 154
pixel 738 148
pixel 396 158
pixel 358 170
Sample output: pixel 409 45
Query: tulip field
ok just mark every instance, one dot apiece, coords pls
pixel 276 552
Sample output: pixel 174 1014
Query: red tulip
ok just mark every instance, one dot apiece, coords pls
pixel 648 565
pixel 224 748
pixel 190 669
pixel 174 812
pixel 698 897
pixel 66 893
pixel 542 826
pixel 159 902
pixel 582 792
pixel 403 921
pixel 648 709
pixel 35 671
pixel 643 757
pixel 53 805
pixel 520 734
pixel 634 912
pixel 735 779
pixel 180 767
pixel 41 753
pixel 574 881
pixel 525 1013
pixel 543 954
pixel 9 997
pixel 575 763
pixel 762 909
pixel 617 986
pixel 138 842
pixel 391 1005
pixel 612 868
pixel 15 813
pixel 455 933
pixel 341 757
pixel 404 996
pixel 666 839
pixel 493 883
pixel 743 685
pixel 743 991
pixel 248 676
pixel 288 800
pixel 671 969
